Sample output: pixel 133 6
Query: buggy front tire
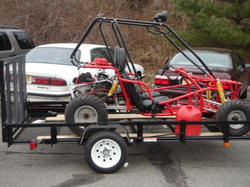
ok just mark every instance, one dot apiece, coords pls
pixel 234 110
pixel 212 128
pixel 106 152
pixel 85 108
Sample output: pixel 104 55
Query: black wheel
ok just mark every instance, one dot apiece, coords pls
pixel 212 128
pixel 234 110
pixel 85 108
pixel 244 95
pixel 101 90
pixel 243 92
pixel 106 152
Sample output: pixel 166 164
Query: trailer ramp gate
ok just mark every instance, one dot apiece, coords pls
pixel 13 95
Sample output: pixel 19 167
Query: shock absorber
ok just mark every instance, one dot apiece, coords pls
pixel 208 92
pixel 113 88
pixel 221 92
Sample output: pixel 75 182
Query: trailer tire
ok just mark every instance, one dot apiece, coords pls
pixel 85 108
pixel 106 152
pixel 234 110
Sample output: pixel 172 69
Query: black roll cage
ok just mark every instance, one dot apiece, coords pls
pixel 158 29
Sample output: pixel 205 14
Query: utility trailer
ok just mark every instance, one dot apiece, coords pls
pixel 106 140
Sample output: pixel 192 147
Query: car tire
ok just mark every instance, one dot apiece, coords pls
pixel 234 110
pixel 85 108
pixel 106 152
pixel 244 95
pixel 212 128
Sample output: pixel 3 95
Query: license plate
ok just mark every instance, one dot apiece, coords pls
pixel 28 79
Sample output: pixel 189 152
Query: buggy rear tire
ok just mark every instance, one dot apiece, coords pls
pixel 234 110
pixel 106 152
pixel 85 108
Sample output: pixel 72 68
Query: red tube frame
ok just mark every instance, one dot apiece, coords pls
pixel 190 81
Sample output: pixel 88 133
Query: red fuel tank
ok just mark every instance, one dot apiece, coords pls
pixel 189 113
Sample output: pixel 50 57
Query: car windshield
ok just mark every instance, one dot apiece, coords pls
pixel 211 59
pixel 50 55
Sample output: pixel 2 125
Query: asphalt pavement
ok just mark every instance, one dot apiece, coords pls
pixel 198 164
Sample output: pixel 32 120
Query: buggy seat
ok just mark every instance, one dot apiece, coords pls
pixel 139 98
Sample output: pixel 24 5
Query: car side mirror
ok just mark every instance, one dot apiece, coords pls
pixel 247 65
pixel 240 68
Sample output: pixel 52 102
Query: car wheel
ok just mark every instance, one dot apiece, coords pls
pixel 244 95
pixel 212 128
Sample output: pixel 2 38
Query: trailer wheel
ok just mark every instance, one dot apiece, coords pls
pixel 234 110
pixel 85 108
pixel 106 152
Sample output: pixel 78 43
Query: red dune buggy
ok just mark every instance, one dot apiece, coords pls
pixel 125 92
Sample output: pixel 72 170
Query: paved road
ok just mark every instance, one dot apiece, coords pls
pixel 163 164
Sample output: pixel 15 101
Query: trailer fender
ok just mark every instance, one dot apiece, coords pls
pixel 92 129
